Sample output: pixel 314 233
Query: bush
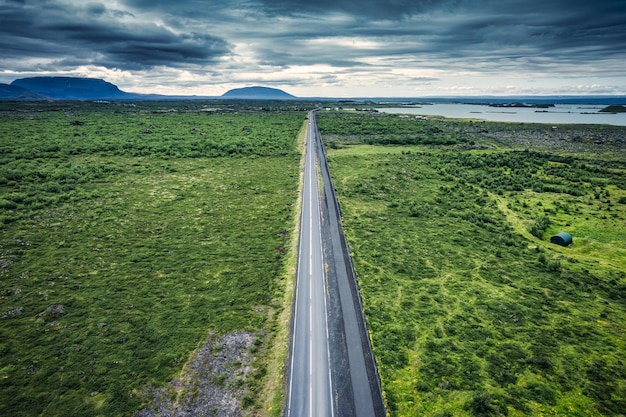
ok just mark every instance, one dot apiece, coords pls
pixel 540 226
pixel 554 266
pixel 7 204
pixel 485 405
pixel 419 210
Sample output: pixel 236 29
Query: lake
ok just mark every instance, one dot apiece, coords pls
pixel 561 113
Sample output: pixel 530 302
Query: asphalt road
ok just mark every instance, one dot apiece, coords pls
pixel 310 385
pixel 332 369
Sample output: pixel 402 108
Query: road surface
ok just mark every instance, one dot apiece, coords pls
pixel 310 386
pixel 332 369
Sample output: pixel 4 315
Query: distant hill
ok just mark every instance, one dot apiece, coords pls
pixel 72 88
pixel 76 88
pixel 257 93
pixel 12 92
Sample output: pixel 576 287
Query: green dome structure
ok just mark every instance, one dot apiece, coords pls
pixel 562 238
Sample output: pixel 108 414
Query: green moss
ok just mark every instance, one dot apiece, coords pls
pixel 469 313
pixel 149 242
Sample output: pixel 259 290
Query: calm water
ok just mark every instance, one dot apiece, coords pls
pixel 561 113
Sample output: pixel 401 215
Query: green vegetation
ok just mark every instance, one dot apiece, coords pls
pixel 383 130
pixel 472 312
pixel 128 235
pixel 346 128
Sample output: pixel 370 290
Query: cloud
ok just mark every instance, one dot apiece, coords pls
pixel 94 34
pixel 487 35
pixel 340 42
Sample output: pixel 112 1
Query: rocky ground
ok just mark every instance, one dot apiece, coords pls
pixel 561 137
pixel 212 383
pixel 477 134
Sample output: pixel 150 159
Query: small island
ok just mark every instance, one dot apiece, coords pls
pixel 518 104
pixel 613 109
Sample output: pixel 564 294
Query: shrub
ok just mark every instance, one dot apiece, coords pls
pixel 540 226
pixel 7 204
pixel 485 404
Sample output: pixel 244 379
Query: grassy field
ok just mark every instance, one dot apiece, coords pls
pixel 129 234
pixel 472 311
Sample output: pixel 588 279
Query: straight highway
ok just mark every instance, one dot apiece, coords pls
pixel 332 370
pixel 310 384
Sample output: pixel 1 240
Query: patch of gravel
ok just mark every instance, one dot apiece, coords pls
pixel 213 383
pixel 6 260
pixel 15 312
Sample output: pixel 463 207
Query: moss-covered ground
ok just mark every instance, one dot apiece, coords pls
pixel 472 311
pixel 128 234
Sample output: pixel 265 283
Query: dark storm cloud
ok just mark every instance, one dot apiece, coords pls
pixel 483 34
pixel 563 29
pixel 367 9
pixel 235 36
pixel 97 35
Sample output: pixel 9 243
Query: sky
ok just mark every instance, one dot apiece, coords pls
pixel 323 48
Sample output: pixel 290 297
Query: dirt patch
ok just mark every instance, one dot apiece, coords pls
pixel 211 384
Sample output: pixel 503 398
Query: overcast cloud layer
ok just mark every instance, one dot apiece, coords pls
pixel 341 48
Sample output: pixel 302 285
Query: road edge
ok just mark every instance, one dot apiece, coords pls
pixel 274 395
pixel 370 362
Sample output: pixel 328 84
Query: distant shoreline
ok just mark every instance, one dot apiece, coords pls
pixel 559 114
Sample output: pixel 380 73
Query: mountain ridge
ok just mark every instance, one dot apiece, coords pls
pixel 71 88
pixel 13 92
pixel 79 88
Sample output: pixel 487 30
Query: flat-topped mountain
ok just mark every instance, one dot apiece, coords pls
pixel 258 93
pixel 71 88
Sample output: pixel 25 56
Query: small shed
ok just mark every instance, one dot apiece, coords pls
pixel 562 238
